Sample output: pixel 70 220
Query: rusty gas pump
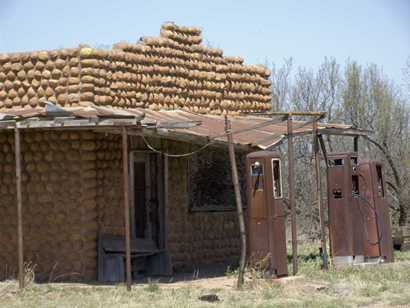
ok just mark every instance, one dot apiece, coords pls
pixel 345 222
pixel 378 243
pixel 266 215
pixel 359 220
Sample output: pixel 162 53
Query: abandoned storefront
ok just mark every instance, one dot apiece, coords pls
pixel 71 109
pixel 181 208
pixel 72 184
pixel 72 193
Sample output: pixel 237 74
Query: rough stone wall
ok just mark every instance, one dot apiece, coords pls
pixel 194 238
pixel 59 206
pixel 72 190
pixel 197 238
pixel 110 186
pixel 167 72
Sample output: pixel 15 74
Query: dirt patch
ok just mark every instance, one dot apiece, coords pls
pixel 205 283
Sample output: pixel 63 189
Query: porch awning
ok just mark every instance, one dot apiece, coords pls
pixel 250 131
pixel 253 131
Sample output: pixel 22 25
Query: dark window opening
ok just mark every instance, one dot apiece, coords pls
pixel 337 194
pixel 355 186
pixel 336 162
pixel 139 197
pixel 354 163
pixel 257 176
pixel 257 169
pixel 380 186
pixel 277 183
pixel 210 181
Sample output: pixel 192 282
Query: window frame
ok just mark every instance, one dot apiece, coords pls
pixel 275 196
pixel 193 208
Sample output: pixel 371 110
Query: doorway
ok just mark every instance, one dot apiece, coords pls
pixel 146 198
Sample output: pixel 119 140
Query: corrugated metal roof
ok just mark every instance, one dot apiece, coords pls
pixel 254 131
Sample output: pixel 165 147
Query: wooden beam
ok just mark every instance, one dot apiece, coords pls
pixel 319 197
pixel 126 207
pixel 291 179
pixel 290 113
pixel 238 199
pixel 19 207
pixel 343 132
pixel 131 192
pixel 166 200
pixel 323 147
pixel 165 209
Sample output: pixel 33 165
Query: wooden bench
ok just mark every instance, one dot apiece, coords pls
pixel 111 256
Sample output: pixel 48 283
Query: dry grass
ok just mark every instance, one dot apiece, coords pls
pixel 377 286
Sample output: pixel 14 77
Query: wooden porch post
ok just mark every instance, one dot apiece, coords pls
pixel 291 179
pixel 126 207
pixel 17 151
pixel 166 201
pixel 238 203
pixel 319 196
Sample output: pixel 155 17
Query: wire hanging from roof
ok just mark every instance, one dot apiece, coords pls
pixel 213 139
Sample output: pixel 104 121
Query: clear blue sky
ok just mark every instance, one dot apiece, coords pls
pixel 368 31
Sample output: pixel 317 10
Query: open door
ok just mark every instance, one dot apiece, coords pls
pixel 147 210
pixel 149 254
pixel 144 195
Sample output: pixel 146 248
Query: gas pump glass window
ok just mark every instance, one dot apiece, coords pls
pixel 257 169
pixel 257 173
pixel 336 162
pixel 276 174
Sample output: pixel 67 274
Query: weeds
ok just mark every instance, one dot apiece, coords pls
pixel 29 273
pixel 384 285
pixel 152 287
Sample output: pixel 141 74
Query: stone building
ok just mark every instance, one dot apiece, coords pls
pixel 72 192
pixel 170 93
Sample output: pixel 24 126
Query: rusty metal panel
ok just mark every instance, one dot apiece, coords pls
pixel 358 228
pixel 267 133
pixel 358 223
pixel 267 229
pixel 384 221
pixel 340 205
pixel 368 211
pixel 279 238
pixel 262 132
pixel 379 235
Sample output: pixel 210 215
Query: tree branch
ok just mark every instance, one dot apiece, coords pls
pixel 389 160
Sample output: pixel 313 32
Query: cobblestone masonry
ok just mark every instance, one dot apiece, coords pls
pixel 200 237
pixel 59 212
pixel 72 189
pixel 171 71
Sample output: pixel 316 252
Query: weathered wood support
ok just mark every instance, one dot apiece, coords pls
pixel 324 152
pixel 238 199
pixel 166 199
pixel 319 196
pixel 126 207
pixel 323 148
pixel 17 152
pixel 291 179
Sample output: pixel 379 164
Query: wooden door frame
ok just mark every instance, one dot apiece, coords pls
pixel 161 182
